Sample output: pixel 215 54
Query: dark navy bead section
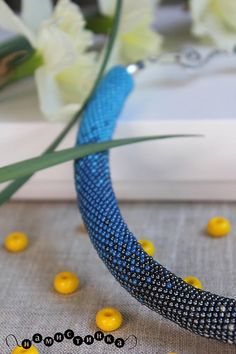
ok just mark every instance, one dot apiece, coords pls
pixel 144 278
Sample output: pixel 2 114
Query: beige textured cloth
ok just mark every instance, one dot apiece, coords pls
pixel 29 305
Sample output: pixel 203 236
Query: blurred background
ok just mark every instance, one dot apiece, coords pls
pixel 15 4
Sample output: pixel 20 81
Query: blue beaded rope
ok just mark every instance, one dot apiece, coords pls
pixel 144 278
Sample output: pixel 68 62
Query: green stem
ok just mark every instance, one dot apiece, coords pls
pixel 26 68
pixel 15 44
pixel 100 24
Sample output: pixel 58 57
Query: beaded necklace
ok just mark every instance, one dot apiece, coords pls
pixel 153 285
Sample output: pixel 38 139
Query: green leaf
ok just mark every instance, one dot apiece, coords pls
pixel 28 167
pixel 6 194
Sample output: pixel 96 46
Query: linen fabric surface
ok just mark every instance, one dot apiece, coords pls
pixel 29 304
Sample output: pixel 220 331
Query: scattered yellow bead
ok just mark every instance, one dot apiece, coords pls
pixel 193 281
pixel 21 350
pixel 148 247
pixel 16 241
pixel 218 227
pixel 108 319
pixel 66 283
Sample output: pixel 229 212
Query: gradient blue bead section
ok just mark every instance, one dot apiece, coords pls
pixel 99 120
pixel 144 278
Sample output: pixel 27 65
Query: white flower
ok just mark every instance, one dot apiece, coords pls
pixel 68 70
pixel 136 39
pixel 215 20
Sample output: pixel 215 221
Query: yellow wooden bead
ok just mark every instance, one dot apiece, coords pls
pixel 195 282
pixel 108 319
pixel 66 283
pixel 218 226
pixel 21 350
pixel 147 246
pixel 16 241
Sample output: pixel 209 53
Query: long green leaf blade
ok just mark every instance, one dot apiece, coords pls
pixel 12 188
pixel 30 166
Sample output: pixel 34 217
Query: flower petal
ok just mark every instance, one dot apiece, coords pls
pixel 51 102
pixel 56 47
pixel 136 39
pixel 34 12
pixel 228 10
pixel 77 80
pixel 12 23
pixel 107 7
pixel 215 21
pixel 141 43
pixel 69 19
pixel 133 12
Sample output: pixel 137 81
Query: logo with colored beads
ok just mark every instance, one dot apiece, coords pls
pixel 77 340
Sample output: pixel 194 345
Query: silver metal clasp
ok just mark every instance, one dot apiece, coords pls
pixel 189 58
